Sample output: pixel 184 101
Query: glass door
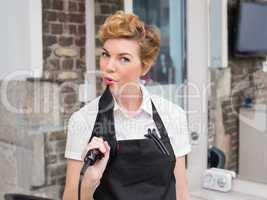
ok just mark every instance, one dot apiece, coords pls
pixel 168 74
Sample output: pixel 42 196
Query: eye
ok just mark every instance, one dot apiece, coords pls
pixel 124 60
pixel 104 54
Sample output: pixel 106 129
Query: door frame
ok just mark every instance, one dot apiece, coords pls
pixel 197 73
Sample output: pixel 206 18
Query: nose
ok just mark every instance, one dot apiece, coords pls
pixel 111 65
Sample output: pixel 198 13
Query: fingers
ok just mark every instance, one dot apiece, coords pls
pixel 95 172
pixel 107 147
pixel 101 164
pixel 97 143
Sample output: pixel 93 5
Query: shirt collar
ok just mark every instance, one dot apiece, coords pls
pixel 146 102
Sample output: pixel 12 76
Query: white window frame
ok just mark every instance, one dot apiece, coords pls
pixel 88 89
pixel 128 5
pixel 36 38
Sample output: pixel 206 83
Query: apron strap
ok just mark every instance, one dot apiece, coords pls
pixel 159 124
pixel 104 124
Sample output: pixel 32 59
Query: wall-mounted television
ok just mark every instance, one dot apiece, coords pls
pixel 251 29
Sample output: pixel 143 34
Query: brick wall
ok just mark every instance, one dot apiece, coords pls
pixel 63 39
pixel 64 31
pixel 55 161
pixel 103 9
pixel 64 48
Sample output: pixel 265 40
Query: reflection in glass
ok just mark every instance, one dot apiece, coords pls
pixel 168 15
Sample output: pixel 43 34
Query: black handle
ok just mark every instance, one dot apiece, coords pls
pixel 93 155
pixel 90 158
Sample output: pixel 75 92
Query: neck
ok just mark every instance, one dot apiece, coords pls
pixel 130 98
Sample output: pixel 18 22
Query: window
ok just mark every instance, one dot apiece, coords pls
pixel 169 16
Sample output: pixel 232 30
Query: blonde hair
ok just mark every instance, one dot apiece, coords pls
pixel 126 25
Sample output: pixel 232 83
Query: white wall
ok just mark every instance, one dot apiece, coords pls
pixel 197 71
pixel 20 38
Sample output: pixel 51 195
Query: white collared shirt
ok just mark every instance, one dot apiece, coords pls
pixel 82 122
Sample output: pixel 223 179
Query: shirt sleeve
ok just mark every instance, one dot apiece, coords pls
pixel 77 137
pixel 180 139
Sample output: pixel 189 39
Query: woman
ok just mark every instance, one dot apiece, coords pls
pixel 144 167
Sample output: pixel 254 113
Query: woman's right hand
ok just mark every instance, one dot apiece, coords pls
pixel 94 173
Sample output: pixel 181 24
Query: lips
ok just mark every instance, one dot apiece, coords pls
pixel 109 81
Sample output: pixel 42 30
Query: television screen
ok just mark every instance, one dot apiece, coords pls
pixel 251 35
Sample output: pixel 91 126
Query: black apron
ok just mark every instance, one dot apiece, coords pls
pixel 138 169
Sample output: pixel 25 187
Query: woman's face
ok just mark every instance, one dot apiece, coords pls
pixel 120 63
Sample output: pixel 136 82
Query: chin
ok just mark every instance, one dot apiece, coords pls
pixel 114 89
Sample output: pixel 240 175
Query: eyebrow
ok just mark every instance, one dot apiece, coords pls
pixel 120 54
